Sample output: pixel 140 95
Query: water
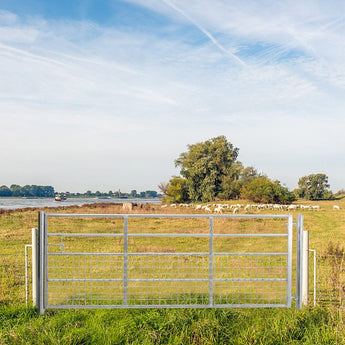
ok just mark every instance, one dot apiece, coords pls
pixel 15 203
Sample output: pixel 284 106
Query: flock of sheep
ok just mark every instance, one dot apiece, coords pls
pixel 219 208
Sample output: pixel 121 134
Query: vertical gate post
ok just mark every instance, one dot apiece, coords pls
pixel 211 264
pixel 302 269
pixel 125 261
pixel 305 269
pixel 41 266
pixel 299 261
pixel 34 243
pixel 289 263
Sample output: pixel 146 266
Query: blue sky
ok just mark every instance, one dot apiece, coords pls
pixel 106 94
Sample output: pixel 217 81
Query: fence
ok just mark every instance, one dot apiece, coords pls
pixel 12 278
pixel 329 279
pixel 136 261
pixel 170 277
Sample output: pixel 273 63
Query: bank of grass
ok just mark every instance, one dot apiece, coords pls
pixel 324 225
pixel 19 325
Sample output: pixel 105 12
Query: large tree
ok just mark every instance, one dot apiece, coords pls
pixel 314 187
pixel 209 168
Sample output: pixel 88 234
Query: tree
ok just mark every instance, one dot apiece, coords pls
pixel 5 191
pixel 249 173
pixel 208 168
pixel 232 183
pixel 16 190
pixel 262 189
pixel 163 187
pixel 314 187
pixel 176 190
pixel 150 194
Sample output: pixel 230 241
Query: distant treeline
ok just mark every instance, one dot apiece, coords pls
pixel 117 194
pixel 27 191
pixel 49 192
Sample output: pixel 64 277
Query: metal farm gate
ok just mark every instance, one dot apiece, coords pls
pixel 170 261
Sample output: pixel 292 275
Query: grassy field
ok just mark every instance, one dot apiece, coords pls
pixel 19 325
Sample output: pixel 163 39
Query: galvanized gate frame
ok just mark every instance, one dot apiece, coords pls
pixel 40 271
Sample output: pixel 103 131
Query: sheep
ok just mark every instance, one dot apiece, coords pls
pixel 236 210
pixel 305 207
pixel 336 207
pixel 127 206
pixel 207 209
pixel 218 210
pixel 198 207
pixel 164 206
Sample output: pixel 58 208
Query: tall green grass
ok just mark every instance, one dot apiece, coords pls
pixel 19 325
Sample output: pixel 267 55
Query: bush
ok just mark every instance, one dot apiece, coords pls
pixel 262 189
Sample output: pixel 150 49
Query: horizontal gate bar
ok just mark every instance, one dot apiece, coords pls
pixel 166 254
pixel 173 280
pixel 90 215
pixel 175 306
pixel 164 235
pixel 84 235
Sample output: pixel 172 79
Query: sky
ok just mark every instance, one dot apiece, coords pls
pixel 106 94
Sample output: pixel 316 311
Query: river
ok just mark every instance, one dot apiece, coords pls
pixel 16 203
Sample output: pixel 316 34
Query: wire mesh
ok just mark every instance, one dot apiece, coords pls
pixel 330 279
pixel 12 278
pixel 166 261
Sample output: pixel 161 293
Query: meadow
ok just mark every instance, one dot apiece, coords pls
pixel 20 324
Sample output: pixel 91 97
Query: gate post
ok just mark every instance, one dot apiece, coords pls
pixel 289 263
pixel 211 263
pixel 302 269
pixel 35 282
pixel 41 261
pixel 305 270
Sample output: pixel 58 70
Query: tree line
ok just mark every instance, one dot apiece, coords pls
pixel 27 191
pixel 48 192
pixel 210 171
pixel 117 194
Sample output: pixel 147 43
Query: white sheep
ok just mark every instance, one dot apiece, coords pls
pixel 236 210
pixel 218 210
pixel 336 207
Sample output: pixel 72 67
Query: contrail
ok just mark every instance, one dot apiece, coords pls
pixel 205 32
pixel 32 56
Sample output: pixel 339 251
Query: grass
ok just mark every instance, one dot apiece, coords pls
pixel 21 325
